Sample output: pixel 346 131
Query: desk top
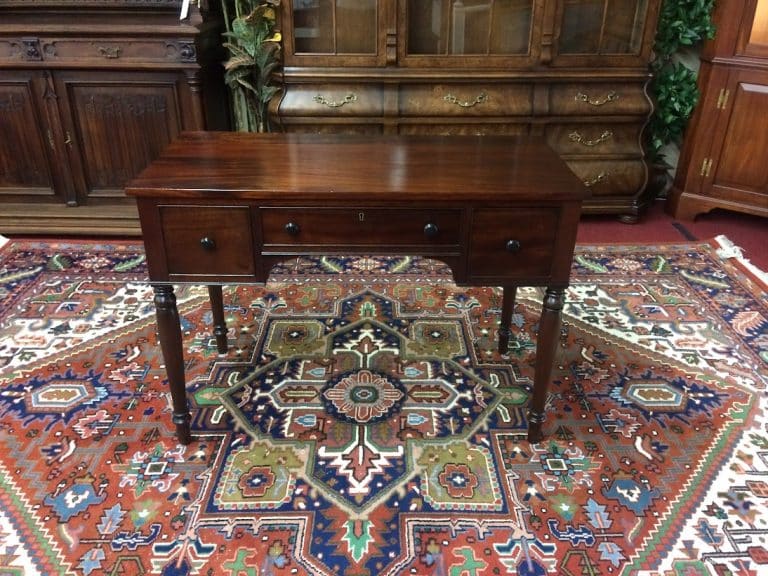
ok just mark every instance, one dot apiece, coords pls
pixel 411 168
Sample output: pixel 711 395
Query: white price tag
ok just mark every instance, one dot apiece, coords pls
pixel 184 9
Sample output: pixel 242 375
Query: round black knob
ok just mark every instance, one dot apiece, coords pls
pixel 513 246
pixel 208 243
pixel 292 228
pixel 431 230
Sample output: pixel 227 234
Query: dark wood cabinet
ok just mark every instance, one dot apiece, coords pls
pixel 572 71
pixel 722 164
pixel 26 161
pixel 90 93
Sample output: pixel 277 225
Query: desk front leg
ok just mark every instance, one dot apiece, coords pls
pixel 169 330
pixel 549 331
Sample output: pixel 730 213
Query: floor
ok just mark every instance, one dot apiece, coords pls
pixel 748 232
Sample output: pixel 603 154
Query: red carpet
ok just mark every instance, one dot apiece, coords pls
pixel 363 423
pixel 746 231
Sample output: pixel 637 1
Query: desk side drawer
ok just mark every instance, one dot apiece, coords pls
pixel 513 243
pixel 207 240
pixel 359 227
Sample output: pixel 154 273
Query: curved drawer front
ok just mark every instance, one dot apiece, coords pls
pixel 464 129
pixel 316 126
pixel 302 228
pixel 332 100
pixel 513 243
pixel 595 139
pixel 466 99
pixel 597 99
pixel 208 240
pixel 610 177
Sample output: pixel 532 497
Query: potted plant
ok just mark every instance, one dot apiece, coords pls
pixel 683 24
pixel 254 53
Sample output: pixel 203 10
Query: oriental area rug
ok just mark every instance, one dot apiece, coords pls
pixel 363 423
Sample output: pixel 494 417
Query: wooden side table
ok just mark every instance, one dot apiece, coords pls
pixel 223 208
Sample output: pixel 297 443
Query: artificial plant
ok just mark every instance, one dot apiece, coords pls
pixel 682 23
pixel 254 53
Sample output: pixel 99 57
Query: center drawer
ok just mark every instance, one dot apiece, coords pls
pixel 359 227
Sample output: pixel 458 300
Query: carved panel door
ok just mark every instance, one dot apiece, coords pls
pixel 27 139
pixel 115 124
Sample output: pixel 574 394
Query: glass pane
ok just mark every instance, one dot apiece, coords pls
pixel 759 34
pixel 334 27
pixel 356 26
pixel 603 26
pixel 469 26
pixel 313 26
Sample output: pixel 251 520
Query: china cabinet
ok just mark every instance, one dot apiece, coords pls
pixel 90 92
pixel 722 163
pixel 574 71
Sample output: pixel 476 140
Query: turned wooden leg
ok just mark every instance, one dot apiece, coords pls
pixel 169 329
pixel 549 330
pixel 219 324
pixel 507 306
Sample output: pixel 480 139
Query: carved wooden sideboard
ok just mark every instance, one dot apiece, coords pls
pixel 90 92
pixel 574 71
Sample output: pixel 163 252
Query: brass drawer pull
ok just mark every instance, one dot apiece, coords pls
pixel 208 243
pixel 348 99
pixel 292 229
pixel 597 179
pixel 610 97
pixel 431 230
pixel 110 52
pixel 513 246
pixel 579 138
pixel 480 99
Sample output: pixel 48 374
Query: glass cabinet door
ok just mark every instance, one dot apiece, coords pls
pixel 602 27
pixel 461 29
pixel 337 29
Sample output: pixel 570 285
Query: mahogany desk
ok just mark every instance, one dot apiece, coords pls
pixel 223 208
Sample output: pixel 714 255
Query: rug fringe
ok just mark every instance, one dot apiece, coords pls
pixel 729 250
pixel 3 240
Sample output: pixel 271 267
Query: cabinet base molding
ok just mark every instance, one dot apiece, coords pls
pixel 686 205
pixel 81 220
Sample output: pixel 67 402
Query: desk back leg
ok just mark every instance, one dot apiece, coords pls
pixel 508 295
pixel 169 330
pixel 549 332
pixel 219 323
